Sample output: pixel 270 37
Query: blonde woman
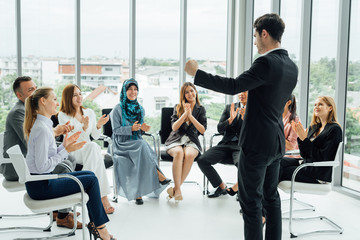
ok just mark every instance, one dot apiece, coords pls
pixel 318 143
pixel 43 155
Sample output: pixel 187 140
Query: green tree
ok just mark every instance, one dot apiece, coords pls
pixel 352 131
pixel 94 106
pixel 219 70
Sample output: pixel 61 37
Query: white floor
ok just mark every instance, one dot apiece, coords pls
pixel 196 217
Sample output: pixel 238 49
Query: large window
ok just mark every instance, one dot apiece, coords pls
pixel 325 13
pixel 8 63
pixel 261 7
pixel 207 29
pixel 351 168
pixel 157 56
pixel 104 51
pixel 291 39
pixel 48 41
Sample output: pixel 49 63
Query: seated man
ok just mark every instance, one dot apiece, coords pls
pixel 14 135
pixel 227 151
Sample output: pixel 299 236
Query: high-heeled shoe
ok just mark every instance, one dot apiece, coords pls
pixel 231 192
pixel 164 182
pixel 178 197
pixel 170 191
pixel 93 231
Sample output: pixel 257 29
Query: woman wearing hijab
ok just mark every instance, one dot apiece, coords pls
pixel 135 163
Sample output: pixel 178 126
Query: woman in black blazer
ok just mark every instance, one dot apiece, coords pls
pixel 319 143
pixel 188 121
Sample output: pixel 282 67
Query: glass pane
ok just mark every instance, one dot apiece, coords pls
pixel 351 174
pixel 48 40
pixel 207 29
pixel 291 38
pixel 261 7
pixel 8 60
pixel 157 56
pixel 323 50
pixel 104 52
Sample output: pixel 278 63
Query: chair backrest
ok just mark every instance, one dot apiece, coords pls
pixel 19 163
pixel 55 120
pixel 337 159
pixel 107 129
pixel 165 127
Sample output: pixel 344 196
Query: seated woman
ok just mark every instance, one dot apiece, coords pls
pixel 84 121
pixel 319 143
pixel 43 155
pixel 135 163
pixel 188 120
pixel 290 115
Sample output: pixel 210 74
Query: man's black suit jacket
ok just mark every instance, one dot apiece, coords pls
pixel 229 130
pixel 270 81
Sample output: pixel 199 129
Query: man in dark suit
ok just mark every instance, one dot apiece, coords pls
pixel 270 81
pixel 228 150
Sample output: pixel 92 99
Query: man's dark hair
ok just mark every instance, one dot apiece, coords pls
pixel 272 23
pixel 18 81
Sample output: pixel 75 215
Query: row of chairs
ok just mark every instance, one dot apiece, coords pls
pixel 287 186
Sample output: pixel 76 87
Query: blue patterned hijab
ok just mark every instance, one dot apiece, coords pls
pixel 132 111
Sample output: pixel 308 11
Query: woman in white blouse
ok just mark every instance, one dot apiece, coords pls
pixel 84 120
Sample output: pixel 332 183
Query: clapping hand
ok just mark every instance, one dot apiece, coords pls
pixel 102 120
pixel 145 127
pixel 85 122
pixel 136 126
pixel 70 143
pixel 233 113
pixel 242 112
pixel 188 109
pixel 63 129
pixel 299 129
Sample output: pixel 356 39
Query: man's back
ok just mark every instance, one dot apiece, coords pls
pixel 263 118
pixel 14 135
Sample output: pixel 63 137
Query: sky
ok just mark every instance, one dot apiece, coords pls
pixel 48 28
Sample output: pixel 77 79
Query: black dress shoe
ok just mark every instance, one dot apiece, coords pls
pixel 231 192
pixel 139 202
pixel 166 181
pixel 218 192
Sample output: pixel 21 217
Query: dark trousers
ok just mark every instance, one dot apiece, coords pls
pixel 258 180
pixel 226 154
pixel 54 188
pixel 287 168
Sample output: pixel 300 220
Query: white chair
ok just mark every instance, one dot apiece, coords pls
pixel 46 206
pixel 310 188
pixel 15 186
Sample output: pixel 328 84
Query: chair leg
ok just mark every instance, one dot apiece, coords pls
pixel 306 207
pixel 45 229
pixel 115 197
pixel 64 235
pixel 335 228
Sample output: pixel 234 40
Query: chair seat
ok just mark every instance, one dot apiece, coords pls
pixel 309 188
pixel 13 186
pixel 41 206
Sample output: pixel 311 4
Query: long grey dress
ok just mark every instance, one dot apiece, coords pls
pixel 135 162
